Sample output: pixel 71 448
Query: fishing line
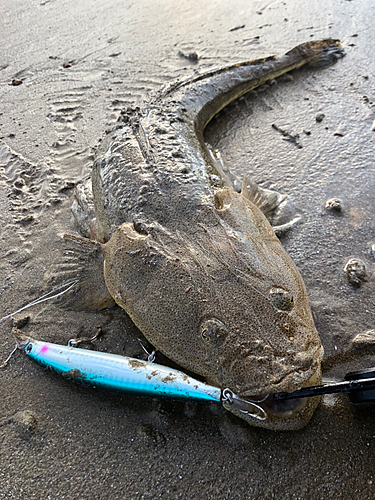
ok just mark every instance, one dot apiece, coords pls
pixel 43 298
pixel 47 296
pixel 8 358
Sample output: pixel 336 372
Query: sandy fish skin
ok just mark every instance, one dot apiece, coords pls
pixel 195 263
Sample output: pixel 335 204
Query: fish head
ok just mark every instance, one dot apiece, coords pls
pixel 226 303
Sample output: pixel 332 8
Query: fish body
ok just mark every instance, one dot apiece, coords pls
pixel 190 254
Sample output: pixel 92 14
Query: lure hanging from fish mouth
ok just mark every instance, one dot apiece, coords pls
pixel 128 375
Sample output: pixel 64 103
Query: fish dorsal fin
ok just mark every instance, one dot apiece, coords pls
pixel 265 199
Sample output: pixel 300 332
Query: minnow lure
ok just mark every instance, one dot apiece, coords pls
pixel 129 375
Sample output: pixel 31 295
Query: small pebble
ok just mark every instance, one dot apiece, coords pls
pixel 373 126
pixel 24 423
pixel 191 56
pixel 319 117
pixel 15 82
pixel 356 272
pixel 372 250
pixel 333 204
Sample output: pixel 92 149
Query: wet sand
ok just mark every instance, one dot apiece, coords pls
pixel 80 64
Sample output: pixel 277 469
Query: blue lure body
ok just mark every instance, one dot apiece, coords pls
pixel 119 373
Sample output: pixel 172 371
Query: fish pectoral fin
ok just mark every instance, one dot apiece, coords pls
pixel 83 260
pixel 265 199
pixel 278 208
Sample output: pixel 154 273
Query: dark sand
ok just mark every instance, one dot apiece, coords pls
pixel 63 441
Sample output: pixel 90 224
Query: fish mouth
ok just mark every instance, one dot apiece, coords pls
pixel 283 408
pixel 280 408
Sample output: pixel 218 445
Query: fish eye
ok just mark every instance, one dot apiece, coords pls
pixel 213 332
pixel 281 299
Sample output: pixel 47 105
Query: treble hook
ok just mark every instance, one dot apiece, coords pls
pixel 85 340
pixel 243 405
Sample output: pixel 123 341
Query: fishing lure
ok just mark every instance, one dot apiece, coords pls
pixel 129 375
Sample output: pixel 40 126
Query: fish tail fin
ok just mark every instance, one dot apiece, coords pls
pixel 83 260
pixel 319 52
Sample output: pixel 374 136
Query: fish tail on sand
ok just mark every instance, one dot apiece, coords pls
pixel 210 91
pixel 318 52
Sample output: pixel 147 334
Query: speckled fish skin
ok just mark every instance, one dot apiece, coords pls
pixel 192 261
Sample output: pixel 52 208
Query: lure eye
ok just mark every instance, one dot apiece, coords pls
pixel 29 348
pixel 213 332
pixel 281 299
